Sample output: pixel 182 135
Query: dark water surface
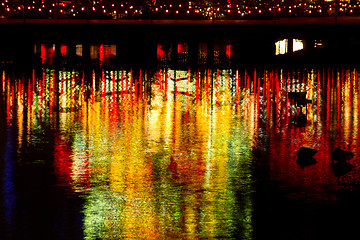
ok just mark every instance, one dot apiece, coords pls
pixel 165 153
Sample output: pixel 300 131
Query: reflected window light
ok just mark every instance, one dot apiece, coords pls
pixel 281 47
pixel 298 45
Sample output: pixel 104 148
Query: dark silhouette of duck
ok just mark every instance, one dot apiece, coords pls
pixel 340 159
pixel 306 156
pixel 340 155
pixel 305 152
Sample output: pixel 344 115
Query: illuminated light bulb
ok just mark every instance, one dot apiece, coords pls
pixel 270 9
pixel 319 10
pixel 156 9
pixel 218 9
pixel 50 11
pixel 279 9
pixel 229 11
pixel 19 8
pixel 122 5
pixel 239 12
pixel 72 10
pixel 39 9
pixel 93 9
pixel 259 11
pixel 104 11
pixel 166 11
pixel 179 5
pixel 61 10
pixel 310 11
pixel 177 11
pixel 170 5
pixel 131 7
pixel 113 5
pixel 103 6
pixel 351 10
pixel 126 12
pixel 187 11
pixel 29 8
pixel 82 9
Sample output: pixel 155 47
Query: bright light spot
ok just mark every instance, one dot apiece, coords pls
pixel 297 45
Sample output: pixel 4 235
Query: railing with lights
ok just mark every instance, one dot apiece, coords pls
pixel 176 9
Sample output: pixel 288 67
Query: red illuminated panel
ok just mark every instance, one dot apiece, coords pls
pixel 63 50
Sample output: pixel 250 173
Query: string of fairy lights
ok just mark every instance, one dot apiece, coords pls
pixel 146 9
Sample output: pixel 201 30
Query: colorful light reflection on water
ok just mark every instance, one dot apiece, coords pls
pixel 169 153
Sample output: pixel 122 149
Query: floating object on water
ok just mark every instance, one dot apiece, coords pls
pixel 305 152
pixel 342 168
pixel 306 156
pixel 304 162
pixel 341 155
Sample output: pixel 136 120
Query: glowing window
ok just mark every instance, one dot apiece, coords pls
pixel 297 45
pixel 281 47
pixel 79 50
